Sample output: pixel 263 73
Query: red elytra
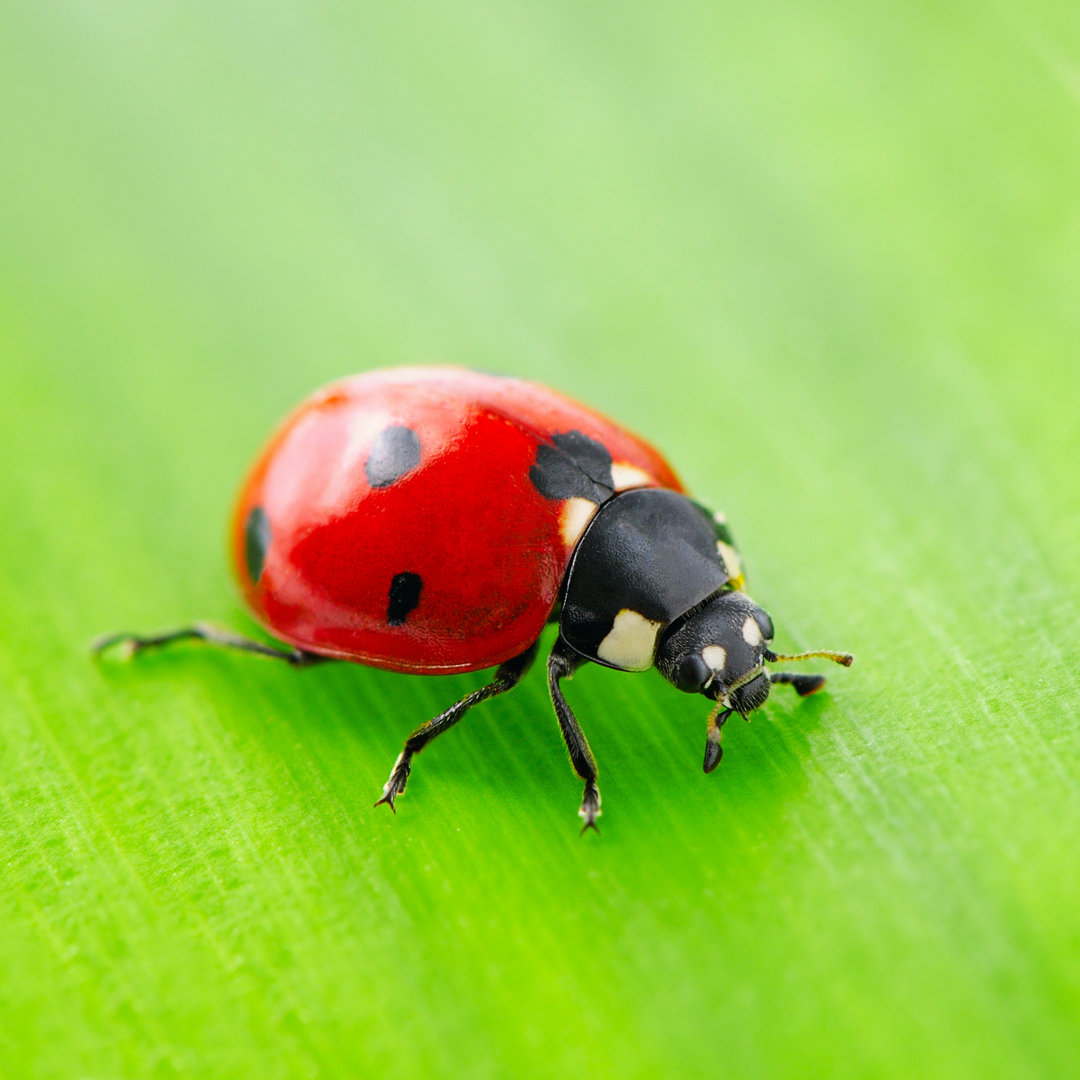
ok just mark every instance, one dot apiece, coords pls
pixel 489 550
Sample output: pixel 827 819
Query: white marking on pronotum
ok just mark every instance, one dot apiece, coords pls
pixel 720 517
pixel 630 644
pixel 625 475
pixel 731 560
pixel 574 516
pixel 715 656
pixel 751 632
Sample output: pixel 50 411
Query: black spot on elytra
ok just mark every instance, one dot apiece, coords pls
pixel 395 451
pixel 256 541
pixel 575 467
pixel 404 596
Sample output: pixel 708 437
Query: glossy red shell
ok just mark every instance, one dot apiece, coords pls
pixel 489 549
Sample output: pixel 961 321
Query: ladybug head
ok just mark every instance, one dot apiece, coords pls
pixel 720 651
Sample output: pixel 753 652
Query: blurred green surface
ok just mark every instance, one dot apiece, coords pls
pixel 827 256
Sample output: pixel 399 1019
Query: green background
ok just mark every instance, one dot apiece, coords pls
pixel 827 256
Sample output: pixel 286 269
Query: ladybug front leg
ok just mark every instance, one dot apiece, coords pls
pixel 507 676
pixel 804 685
pixel 562 663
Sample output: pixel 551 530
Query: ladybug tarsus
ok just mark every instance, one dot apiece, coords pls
pixel 399 777
pixel 590 809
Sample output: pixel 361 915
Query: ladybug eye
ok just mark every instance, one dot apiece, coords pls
pixel 691 672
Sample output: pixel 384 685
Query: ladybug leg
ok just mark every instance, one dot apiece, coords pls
pixel 804 685
pixel 562 663
pixel 135 643
pixel 507 676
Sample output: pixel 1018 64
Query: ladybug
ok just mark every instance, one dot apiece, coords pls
pixel 434 520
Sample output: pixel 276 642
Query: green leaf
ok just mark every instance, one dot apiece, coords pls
pixel 826 257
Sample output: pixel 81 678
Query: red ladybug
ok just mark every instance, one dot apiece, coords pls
pixel 434 520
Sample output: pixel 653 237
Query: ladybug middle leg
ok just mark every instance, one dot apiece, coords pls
pixel 562 663
pixel 507 676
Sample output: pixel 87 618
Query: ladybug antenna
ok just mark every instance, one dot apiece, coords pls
pixel 844 658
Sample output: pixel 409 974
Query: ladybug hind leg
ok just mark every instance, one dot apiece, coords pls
pixel 212 635
pixel 507 676
pixel 562 663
